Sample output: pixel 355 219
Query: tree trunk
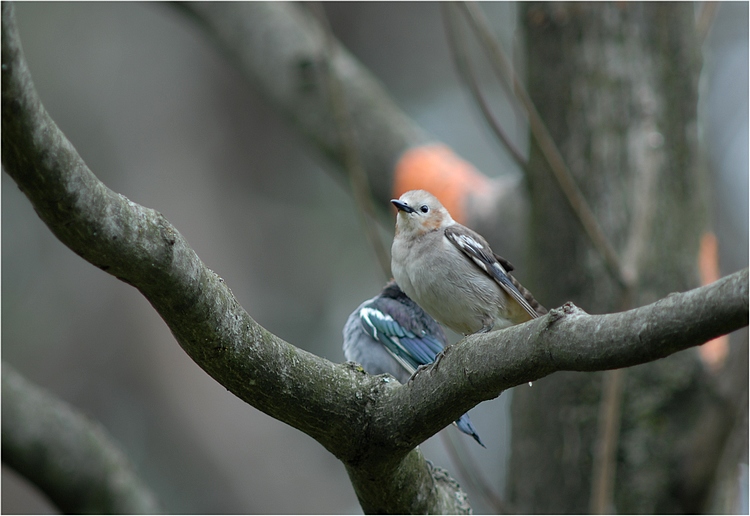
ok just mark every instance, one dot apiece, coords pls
pixel 617 86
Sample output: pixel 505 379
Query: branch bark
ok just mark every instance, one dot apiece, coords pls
pixel 370 423
pixel 567 339
pixel 139 246
pixel 71 458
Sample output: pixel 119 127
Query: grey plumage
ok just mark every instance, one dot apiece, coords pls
pixel 390 333
pixel 451 272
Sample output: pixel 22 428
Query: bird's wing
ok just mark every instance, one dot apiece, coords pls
pixel 505 263
pixel 476 248
pixel 380 319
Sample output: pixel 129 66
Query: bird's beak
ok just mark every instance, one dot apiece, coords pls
pixel 402 206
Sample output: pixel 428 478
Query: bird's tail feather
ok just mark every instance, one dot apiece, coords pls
pixel 464 424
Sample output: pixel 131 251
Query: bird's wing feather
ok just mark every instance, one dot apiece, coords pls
pixel 410 348
pixel 476 248
pixel 505 263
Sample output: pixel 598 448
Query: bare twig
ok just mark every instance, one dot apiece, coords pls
pixel 605 456
pixel 705 19
pixel 457 45
pixel 350 156
pixel 603 475
pixel 457 451
pixel 551 153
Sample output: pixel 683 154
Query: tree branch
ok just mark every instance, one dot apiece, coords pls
pixel 71 458
pixel 370 423
pixel 547 145
pixel 281 48
pixel 567 339
pixel 138 245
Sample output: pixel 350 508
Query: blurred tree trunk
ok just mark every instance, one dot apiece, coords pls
pixel 617 86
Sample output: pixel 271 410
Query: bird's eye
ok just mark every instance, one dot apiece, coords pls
pixel 424 208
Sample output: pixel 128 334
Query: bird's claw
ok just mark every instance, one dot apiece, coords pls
pixel 431 365
pixel 421 368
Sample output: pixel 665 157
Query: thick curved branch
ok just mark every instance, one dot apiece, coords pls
pixel 71 458
pixel 567 339
pixel 139 246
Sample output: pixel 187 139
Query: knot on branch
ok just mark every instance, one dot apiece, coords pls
pixel 566 310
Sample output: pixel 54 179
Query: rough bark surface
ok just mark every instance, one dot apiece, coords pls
pixel 617 86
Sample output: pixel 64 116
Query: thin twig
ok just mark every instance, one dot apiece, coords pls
pixel 457 451
pixel 547 146
pixel 603 473
pixel 705 20
pixel 456 43
pixel 350 156
pixel 611 403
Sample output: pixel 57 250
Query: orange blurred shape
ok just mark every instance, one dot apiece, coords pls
pixel 437 169
pixel 714 352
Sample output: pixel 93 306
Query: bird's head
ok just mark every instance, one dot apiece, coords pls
pixel 420 212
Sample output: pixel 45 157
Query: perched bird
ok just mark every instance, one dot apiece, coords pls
pixel 390 333
pixel 451 272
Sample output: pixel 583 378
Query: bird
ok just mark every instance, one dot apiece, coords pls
pixel 451 271
pixel 390 333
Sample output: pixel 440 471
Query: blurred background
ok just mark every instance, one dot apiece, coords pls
pixel 161 117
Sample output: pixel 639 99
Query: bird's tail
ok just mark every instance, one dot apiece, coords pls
pixel 464 424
